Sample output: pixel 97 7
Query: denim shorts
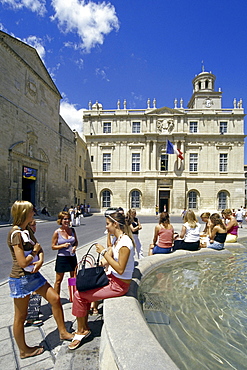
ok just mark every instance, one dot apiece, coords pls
pixel 25 285
pixel 159 250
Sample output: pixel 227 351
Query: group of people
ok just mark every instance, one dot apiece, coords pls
pixel 117 257
pixel 28 256
pixel 219 229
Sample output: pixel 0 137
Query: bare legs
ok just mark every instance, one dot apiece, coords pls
pixel 82 329
pixel 59 279
pixel 53 298
pixel 20 307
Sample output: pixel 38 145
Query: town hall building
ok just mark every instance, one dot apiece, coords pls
pixel 130 166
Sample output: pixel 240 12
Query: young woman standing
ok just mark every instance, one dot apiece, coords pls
pixel 64 241
pixel 25 278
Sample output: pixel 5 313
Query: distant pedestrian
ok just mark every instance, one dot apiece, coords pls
pixel 135 226
pixel 239 217
pixel 183 213
pixel 156 210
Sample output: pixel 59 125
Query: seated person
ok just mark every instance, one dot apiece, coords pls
pixel 217 232
pixel 231 226
pixel 190 234
pixel 163 236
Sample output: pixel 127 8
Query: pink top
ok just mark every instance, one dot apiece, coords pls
pixel 233 230
pixel 165 237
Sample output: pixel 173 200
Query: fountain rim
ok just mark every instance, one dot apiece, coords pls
pixel 126 340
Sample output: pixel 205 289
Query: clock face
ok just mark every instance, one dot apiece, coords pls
pixel 208 103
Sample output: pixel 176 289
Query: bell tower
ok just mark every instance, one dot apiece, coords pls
pixel 204 96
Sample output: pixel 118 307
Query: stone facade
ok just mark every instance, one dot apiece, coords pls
pixel 130 165
pixel 38 150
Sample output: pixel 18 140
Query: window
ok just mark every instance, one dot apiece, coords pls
pixel 85 185
pixel 106 198
pixel 107 127
pixel 223 162
pixel 135 162
pixel 193 127
pixel 106 162
pixel 192 200
pixel 164 162
pixel 223 127
pixel 135 199
pixel 80 161
pixel 66 173
pixel 80 183
pixel 92 159
pixel 136 127
pixel 222 200
pixel 193 162
pixel 91 195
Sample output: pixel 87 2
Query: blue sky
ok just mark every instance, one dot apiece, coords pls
pixel 133 49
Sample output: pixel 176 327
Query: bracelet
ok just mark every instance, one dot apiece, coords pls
pixel 103 252
pixel 31 256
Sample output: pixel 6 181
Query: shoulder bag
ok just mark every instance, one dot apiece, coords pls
pixel 90 277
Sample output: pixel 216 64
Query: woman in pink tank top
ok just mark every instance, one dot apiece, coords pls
pixel 163 236
pixel 231 226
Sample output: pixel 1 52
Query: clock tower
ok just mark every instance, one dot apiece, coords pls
pixel 204 96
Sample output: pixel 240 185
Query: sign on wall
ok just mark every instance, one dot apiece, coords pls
pixel 29 173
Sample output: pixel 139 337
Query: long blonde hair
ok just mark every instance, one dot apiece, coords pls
pixel 19 211
pixel 190 217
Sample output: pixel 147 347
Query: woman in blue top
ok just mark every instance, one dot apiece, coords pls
pixel 65 242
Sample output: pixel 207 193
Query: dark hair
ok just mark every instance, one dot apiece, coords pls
pixel 164 218
pixel 216 220
pixel 61 216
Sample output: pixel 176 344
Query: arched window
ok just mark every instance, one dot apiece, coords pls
pixel 135 199
pixel 222 200
pixel 106 198
pixel 192 200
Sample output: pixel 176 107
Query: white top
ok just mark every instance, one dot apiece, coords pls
pixel 192 234
pixel 125 241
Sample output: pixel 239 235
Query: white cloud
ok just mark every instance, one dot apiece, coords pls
pixel 36 6
pixel 102 74
pixel 89 20
pixel 2 28
pixel 72 116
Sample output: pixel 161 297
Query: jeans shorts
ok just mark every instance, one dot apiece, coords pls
pixel 159 250
pixel 25 285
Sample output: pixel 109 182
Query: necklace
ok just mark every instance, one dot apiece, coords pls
pixel 117 240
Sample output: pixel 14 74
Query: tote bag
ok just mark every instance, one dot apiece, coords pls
pixel 91 277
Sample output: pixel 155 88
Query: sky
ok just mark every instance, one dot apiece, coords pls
pixel 136 50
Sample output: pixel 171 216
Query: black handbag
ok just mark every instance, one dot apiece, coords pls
pixel 88 278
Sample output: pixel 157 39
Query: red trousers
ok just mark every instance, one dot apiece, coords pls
pixel 82 300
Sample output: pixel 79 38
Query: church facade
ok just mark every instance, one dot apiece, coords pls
pixel 130 165
pixel 42 159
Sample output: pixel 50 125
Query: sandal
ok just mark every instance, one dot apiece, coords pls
pixel 78 338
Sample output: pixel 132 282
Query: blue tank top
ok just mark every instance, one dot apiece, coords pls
pixel 62 240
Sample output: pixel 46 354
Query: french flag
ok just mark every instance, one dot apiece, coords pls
pixel 170 149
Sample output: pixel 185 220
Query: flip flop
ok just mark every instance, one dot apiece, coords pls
pixel 37 352
pixel 79 338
